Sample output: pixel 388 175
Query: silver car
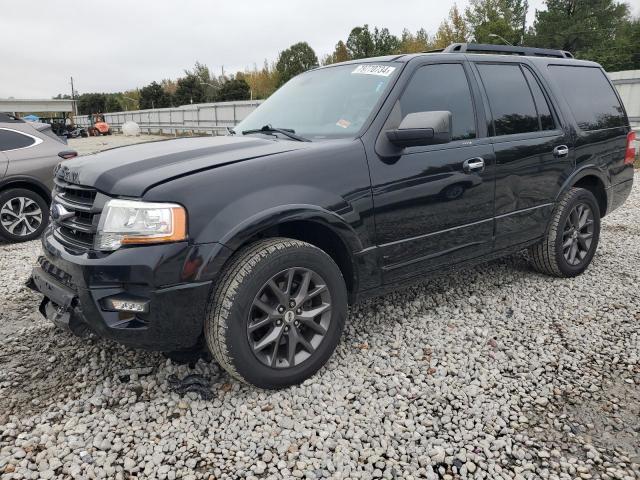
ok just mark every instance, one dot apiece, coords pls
pixel 28 154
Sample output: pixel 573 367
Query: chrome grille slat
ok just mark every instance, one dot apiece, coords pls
pixel 79 230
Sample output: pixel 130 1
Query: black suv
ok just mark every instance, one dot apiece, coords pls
pixel 350 180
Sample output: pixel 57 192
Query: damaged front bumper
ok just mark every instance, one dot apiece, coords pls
pixel 79 292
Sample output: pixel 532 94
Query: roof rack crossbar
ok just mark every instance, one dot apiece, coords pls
pixel 505 49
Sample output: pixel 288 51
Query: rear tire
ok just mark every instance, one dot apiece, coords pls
pixel 269 338
pixel 572 239
pixel 23 215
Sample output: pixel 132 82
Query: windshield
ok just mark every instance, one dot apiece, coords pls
pixel 330 102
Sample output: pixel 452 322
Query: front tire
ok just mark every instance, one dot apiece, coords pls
pixel 572 239
pixel 277 314
pixel 23 215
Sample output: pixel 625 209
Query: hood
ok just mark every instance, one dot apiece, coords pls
pixel 131 170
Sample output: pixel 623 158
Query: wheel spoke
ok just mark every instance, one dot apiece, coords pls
pixel 305 344
pixel 314 312
pixel 258 324
pixel 282 298
pixel 20 205
pixel 28 228
pixel 573 252
pixel 11 228
pixel 290 275
pixel 567 243
pixel 316 327
pixel 292 344
pixel 263 306
pixel 574 218
pixel 276 347
pixel 272 337
pixel 582 240
pixel 584 217
pixel 304 287
pixel 7 211
pixel 315 292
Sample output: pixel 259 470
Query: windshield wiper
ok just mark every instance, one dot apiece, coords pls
pixel 287 132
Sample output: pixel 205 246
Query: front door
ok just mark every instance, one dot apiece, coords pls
pixel 434 204
pixel 533 153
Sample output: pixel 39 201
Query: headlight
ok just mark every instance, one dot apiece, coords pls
pixel 125 222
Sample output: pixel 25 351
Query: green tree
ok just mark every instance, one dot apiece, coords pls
pixel 363 43
pixel 91 103
pixel 234 89
pixel 506 18
pixel 112 104
pixel 189 90
pixel 598 30
pixel 454 29
pixel 262 82
pixel 154 96
pixel 296 59
pixel 360 43
pixel 384 43
pixel 209 83
pixel 410 43
pixel 340 54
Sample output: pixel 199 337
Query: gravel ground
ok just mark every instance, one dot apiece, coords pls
pixel 493 372
pixel 95 144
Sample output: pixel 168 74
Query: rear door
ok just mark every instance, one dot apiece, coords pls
pixel 533 151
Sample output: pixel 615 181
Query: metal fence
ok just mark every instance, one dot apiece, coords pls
pixel 628 85
pixel 210 118
pixel 215 118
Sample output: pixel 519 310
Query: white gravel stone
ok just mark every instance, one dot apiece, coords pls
pixel 494 372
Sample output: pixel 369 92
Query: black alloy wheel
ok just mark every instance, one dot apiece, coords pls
pixel 289 317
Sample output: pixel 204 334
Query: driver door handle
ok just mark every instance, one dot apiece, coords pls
pixel 561 151
pixel 473 165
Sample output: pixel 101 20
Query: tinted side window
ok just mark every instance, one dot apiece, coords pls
pixel 544 112
pixel 591 98
pixel 10 140
pixel 510 99
pixel 442 87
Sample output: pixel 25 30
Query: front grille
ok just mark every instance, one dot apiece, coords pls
pixel 78 230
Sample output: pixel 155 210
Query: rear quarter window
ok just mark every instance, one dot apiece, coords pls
pixel 590 96
pixel 12 140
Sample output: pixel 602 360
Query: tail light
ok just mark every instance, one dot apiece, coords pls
pixel 630 154
pixel 67 154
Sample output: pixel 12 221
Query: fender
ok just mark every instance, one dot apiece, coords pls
pixel 275 216
pixel 581 172
pixel 26 179
pixel 231 241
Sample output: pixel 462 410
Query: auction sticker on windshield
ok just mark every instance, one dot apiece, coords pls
pixel 381 70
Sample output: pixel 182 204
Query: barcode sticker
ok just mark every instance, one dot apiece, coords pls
pixel 368 69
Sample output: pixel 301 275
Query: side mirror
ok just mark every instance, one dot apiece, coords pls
pixel 422 128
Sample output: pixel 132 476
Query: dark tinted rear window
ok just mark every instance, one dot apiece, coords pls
pixel 510 99
pixel 10 140
pixel 591 98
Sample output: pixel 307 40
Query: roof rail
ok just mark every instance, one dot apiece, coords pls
pixel 506 49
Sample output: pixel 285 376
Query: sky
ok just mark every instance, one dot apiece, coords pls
pixel 118 45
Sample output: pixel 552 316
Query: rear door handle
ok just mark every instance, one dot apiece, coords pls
pixel 561 151
pixel 473 165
